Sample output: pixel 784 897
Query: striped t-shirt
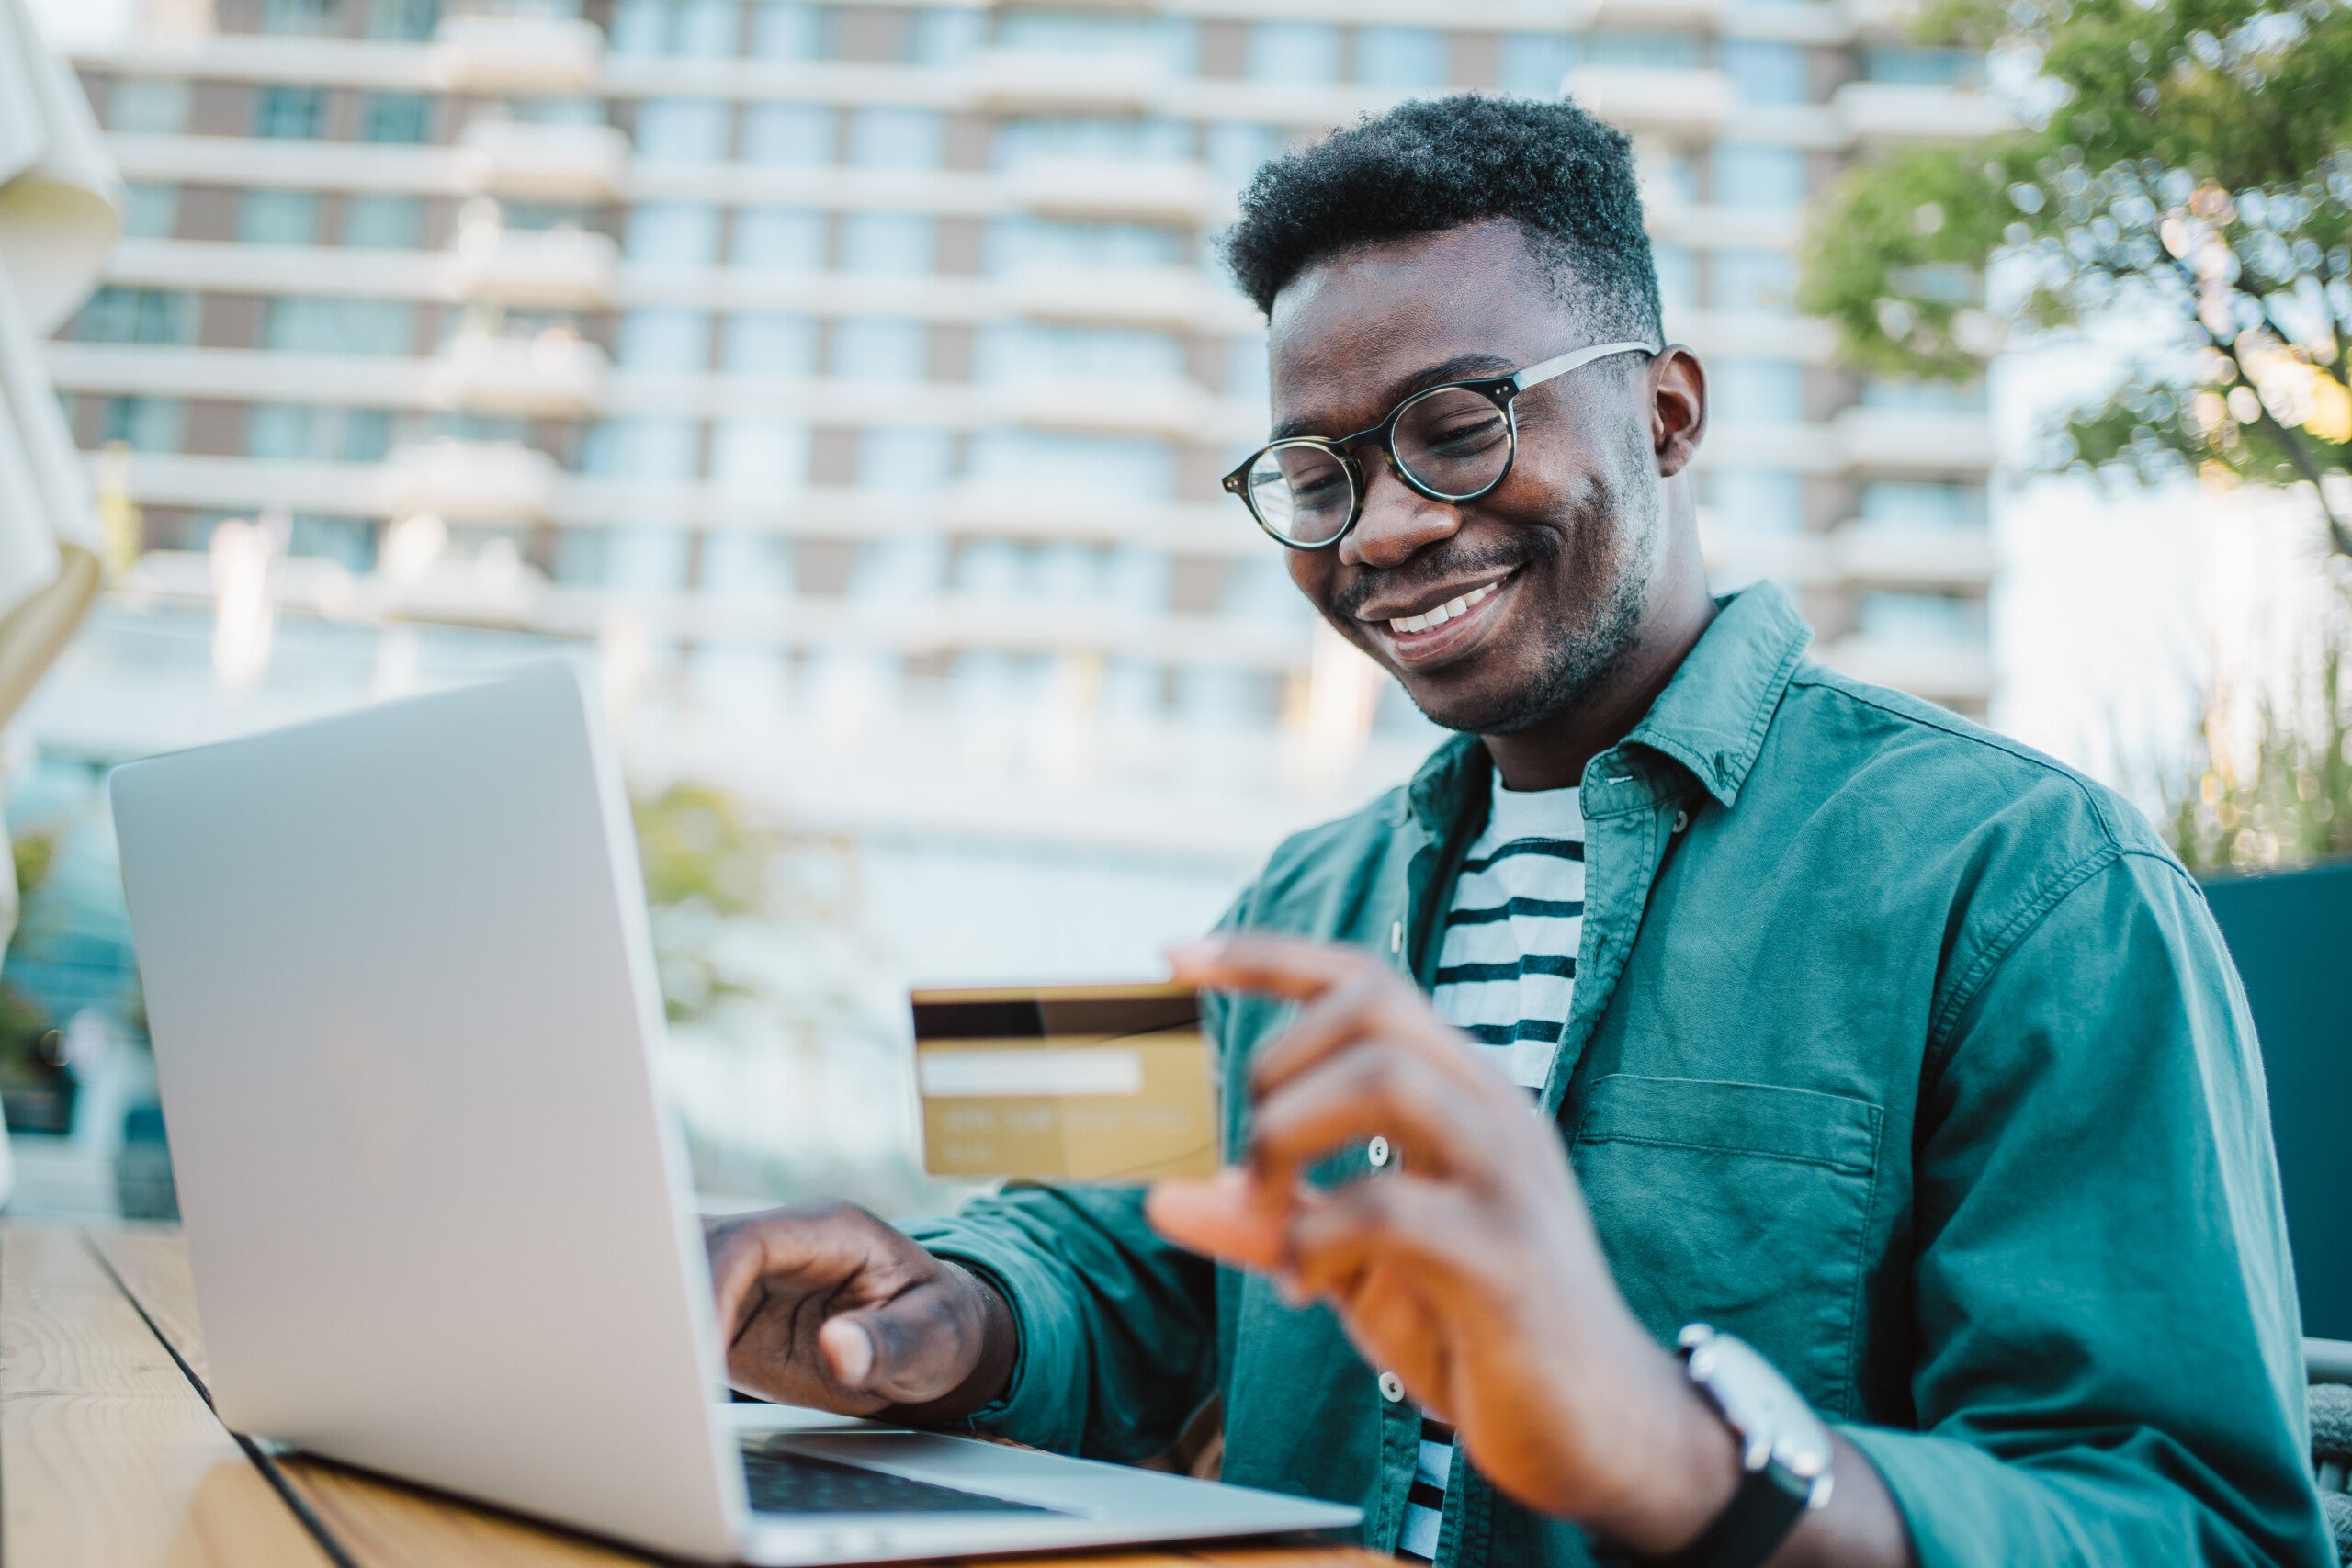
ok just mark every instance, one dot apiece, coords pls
pixel 1505 974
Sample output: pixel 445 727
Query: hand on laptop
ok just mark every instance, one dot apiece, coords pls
pixel 822 1304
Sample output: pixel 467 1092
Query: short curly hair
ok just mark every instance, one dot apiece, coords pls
pixel 1435 163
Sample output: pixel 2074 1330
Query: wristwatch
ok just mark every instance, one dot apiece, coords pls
pixel 1784 1452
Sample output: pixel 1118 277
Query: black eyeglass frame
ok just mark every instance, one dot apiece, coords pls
pixel 1501 390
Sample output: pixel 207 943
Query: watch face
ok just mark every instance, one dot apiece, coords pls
pixel 1772 1419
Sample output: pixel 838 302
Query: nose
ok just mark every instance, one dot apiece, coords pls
pixel 1397 521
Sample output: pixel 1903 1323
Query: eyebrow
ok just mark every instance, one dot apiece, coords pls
pixel 1461 367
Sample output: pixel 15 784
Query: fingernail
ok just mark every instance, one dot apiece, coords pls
pixel 853 1355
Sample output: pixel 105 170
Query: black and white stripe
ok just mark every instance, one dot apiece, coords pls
pixel 1505 975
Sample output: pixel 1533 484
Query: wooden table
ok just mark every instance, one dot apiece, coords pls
pixel 110 1454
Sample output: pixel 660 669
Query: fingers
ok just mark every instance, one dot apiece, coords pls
pixel 1226 1217
pixel 1286 966
pixel 1376 1087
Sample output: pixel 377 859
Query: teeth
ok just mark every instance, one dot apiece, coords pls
pixel 1440 615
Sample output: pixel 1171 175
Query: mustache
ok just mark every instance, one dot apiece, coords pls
pixel 1430 569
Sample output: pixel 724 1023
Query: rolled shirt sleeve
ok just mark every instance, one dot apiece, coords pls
pixel 2110 1352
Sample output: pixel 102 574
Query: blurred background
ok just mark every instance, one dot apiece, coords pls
pixel 850 381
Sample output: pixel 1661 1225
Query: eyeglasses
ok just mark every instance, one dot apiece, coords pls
pixel 1452 443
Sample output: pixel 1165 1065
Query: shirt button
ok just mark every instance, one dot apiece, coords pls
pixel 1681 820
pixel 1377 1152
pixel 1392 1387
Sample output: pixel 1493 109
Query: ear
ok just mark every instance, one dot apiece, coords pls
pixel 1678 409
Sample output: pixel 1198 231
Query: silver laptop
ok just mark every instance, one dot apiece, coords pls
pixel 404 1001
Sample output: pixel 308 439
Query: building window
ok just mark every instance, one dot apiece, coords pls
pixel 1108 468
pixel 404 21
pixel 947 35
pixel 665 337
pixel 143 424
pixel 1089 138
pixel 1678 276
pixel 709 30
pixel 340 326
pixel 291 113
pixel 1757 500
pixel 1294 52
pixel 1032 351
pixel 768 342
pixel 685 131
pixel 1532 64
pixel 788 135
pixel 1766 73
pixel 1923 504
pixel 1758 174
pixel 310 433
pixel 406 118
pixel 150 212
pixel 1759 281
pixel 278 218
pixel 139 315
pixel 674 233
pixel 1173 41
pixel 905 460
pixel 1017 245
pixel 146 106
pixel 1656 52
pixel 896 138
pixel 1760 392
pixel 304 18
pixel 1237 151
pixel 1921 617
pixel 1923 67
pixel 787 29
pixel 661 449
pixel 759 455
pixel 1400 57
pixel 872 349
pixel 780 239
pixel 889 243
pixel 641 26
pixel 377 222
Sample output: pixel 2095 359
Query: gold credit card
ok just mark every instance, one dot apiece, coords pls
pixel 1064 1083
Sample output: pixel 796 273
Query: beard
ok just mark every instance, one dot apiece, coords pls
pixel 1611 548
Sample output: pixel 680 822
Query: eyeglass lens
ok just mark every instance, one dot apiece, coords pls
pixel 1452 442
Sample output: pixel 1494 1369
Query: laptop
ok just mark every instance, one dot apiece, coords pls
pixel 405 1015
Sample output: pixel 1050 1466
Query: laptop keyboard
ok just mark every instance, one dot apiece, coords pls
pixel 784 1483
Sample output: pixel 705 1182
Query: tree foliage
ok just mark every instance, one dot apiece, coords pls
pixel 2189 159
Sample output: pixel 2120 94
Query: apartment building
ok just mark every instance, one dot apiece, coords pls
pixel 855 375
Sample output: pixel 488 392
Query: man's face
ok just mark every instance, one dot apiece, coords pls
pixel 1551 570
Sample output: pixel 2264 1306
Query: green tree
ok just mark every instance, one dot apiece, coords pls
pixel 2191 160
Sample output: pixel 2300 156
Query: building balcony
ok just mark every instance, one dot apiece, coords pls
pixel 494 55
pixel 1914 439
pixel 543 163
pixel 471 481
pixel 1023 80
pixel 1169 408
pixel 1902 555
pixel 1144 191
pixel 1679 99
pixel 1171 296
pixel 1893 111
pixel 553 269
pixel 552 376
pixel 1954 673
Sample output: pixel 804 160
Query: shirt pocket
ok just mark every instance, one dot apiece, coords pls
pixel 1743 1205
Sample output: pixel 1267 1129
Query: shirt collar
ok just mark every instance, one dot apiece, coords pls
pixel 1712 717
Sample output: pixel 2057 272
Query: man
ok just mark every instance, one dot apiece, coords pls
pixel 1871 1040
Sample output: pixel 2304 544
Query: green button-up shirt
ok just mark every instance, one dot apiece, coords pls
pixel 1897 1049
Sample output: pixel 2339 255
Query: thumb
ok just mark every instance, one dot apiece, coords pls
pixel 909 1350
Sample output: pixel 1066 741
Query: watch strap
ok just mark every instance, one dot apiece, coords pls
pixel 1751 1527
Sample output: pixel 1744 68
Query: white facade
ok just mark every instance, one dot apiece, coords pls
pixel 855 376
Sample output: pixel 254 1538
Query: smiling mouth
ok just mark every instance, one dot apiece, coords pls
pixel 1438 614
